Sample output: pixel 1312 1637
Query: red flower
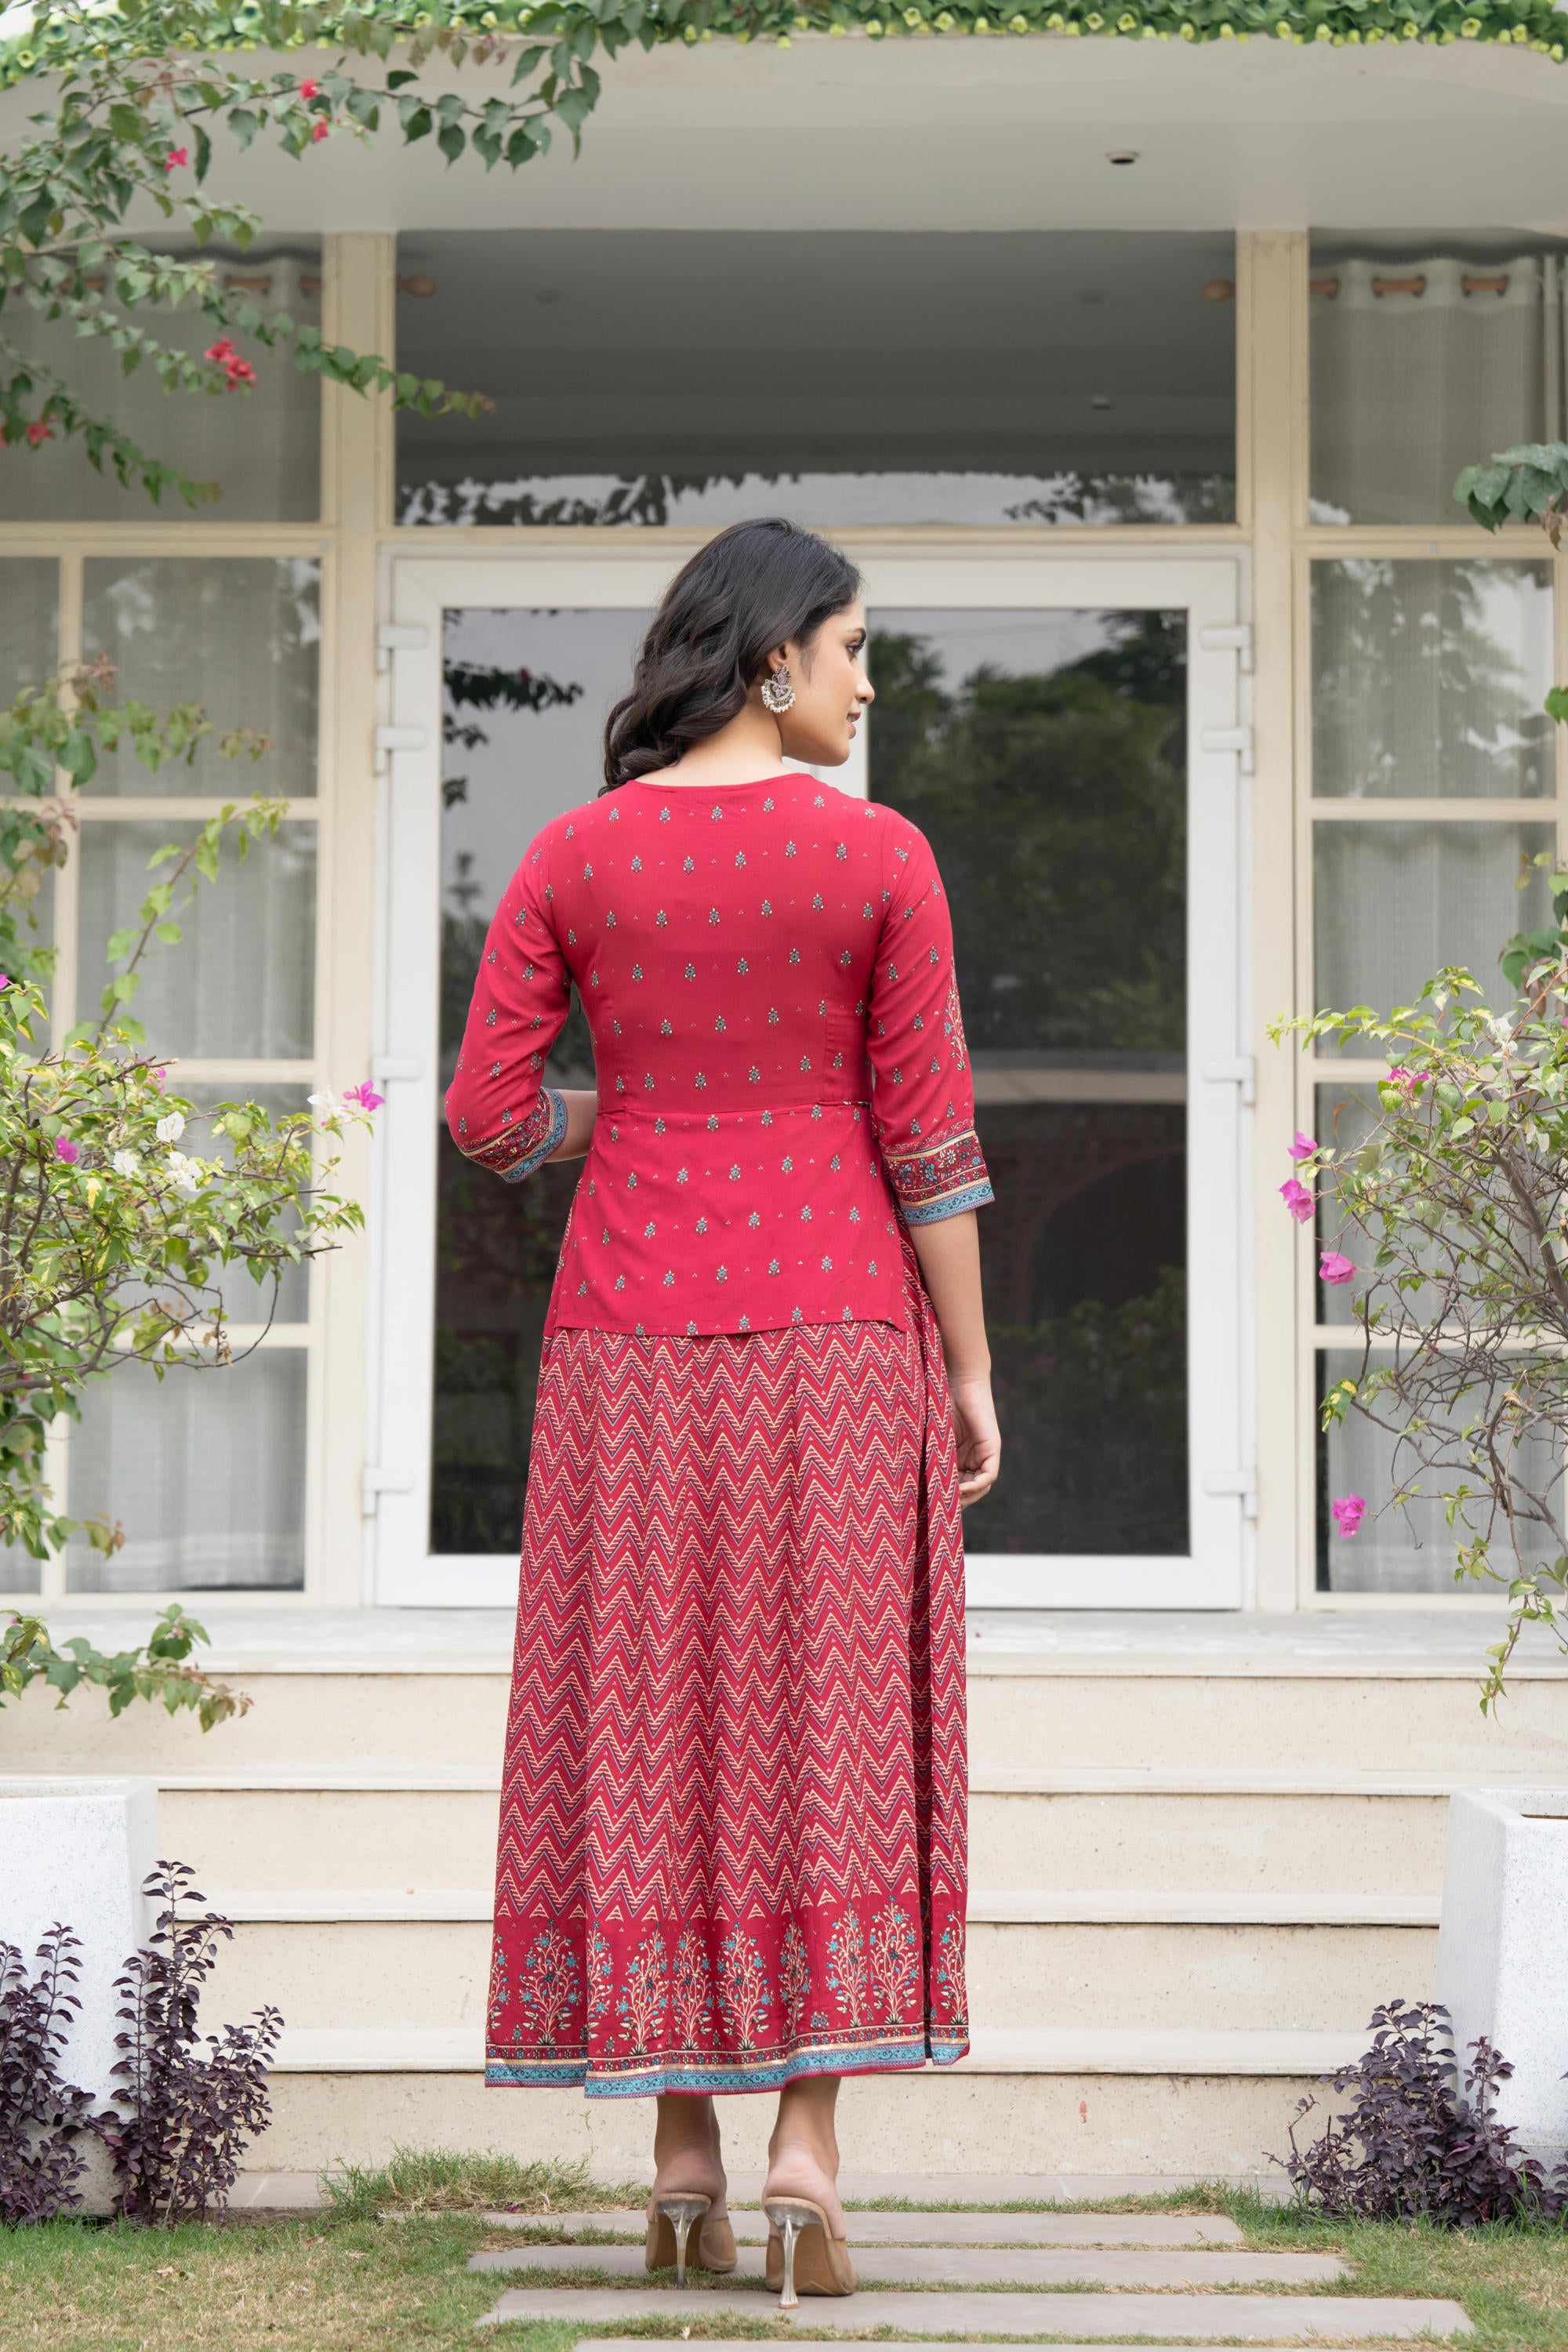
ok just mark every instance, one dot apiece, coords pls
pixel 322 129
pixel 37 432
pixel 175 157
pixel 223 355
pixel 309 89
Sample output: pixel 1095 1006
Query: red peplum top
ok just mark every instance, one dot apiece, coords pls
pixel 767 973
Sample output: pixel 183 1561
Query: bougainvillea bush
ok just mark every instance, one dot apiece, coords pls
pixel 1448 1222
pixel 135 1229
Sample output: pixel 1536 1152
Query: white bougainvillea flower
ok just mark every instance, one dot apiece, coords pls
pixel 125 1163
pixel 185 1174
pixel 171 1126
pixel 327 1102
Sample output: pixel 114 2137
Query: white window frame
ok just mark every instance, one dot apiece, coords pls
pixel 403 1572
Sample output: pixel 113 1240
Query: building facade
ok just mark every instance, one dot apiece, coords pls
pixel 1137 380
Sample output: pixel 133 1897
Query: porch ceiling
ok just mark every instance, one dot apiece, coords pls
pixel 987 135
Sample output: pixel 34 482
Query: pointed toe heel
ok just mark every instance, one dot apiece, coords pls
pixel 804 2256
pixel 670 2224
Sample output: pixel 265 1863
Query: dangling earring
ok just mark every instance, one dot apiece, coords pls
pixel 778 694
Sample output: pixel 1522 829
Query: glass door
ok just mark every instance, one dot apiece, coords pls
pixel 1069 743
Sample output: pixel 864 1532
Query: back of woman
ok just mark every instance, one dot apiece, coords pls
pixel 753 961
pixel 733 1837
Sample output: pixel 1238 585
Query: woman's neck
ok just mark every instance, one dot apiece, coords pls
pixel 742 752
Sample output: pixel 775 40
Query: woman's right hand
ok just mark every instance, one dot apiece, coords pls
pixel 976 1437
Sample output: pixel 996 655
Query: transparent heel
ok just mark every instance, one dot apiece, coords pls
pixel 803 2253
pixel 670 2225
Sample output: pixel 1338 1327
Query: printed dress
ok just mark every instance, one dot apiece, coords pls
pixel 732 1829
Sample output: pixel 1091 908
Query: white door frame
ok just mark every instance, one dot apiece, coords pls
pixel 401 1569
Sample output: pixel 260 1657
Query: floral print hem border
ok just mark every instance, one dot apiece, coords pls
pixel 554 1135
pixel 697 2075
pixel 940 1179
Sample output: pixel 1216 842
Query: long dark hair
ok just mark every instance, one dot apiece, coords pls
pixel 755 586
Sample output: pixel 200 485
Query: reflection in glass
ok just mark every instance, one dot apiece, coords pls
pixel 1394 903
pixel 527 697
pixel 241 983
pixel 1426 355
pixel 676 376
pixel 261 447
pixel 204 1470
pixel 30 619
pixel 239 634
pixel 1401 1547
pixel 1428 680
pixel 1039 751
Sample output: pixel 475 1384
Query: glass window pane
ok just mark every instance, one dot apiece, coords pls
pixel 1394 903
pixel 1062 735
pixel 30 621
pixel 241 983
pixel 509 766
pixel 687 376
pixel 262 447
pixel 1428 680
pixel 204 1470
pixel 1426 355
pixel 1403 1547
pixel 239 634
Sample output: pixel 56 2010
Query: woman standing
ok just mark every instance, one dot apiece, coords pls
pixel 732 1829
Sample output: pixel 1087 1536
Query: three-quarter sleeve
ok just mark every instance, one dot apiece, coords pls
pixel 499 1110
pixel 923 1098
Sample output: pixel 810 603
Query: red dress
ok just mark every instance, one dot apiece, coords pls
pixel 732 1818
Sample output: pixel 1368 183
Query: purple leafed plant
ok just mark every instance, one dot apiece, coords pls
pixel 189 2112
pixel 1413 2141
pixel 41 2115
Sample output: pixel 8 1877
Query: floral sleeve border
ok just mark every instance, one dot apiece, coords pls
pixel 940 1180
pixel 520 1149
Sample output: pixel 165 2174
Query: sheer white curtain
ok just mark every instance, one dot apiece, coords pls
pixel 1421 367
pixel 261 446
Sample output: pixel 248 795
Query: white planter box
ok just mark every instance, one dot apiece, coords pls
pixel 78 1851
pixel 1502 1949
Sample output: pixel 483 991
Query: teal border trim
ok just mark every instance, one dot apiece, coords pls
pixel 974 1196
pixel 654 2080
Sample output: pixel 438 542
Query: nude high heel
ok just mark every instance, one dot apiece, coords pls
pixel 803 2252
pixel 670 2225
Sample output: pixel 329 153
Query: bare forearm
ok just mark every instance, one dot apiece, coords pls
pixel 582 1109
pixel 949 1254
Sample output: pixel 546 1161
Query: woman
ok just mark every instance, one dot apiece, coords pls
pixel 733 1810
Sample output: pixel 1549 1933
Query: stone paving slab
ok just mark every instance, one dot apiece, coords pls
pixel 1198 2318
pixel 937 2228
pixel 978 2266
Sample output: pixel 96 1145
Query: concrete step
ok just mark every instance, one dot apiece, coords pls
pixel 1167 2105
pixel 1110 1832
pixel 750 2229
pixel 1194 2318
pixel 1390 1711
pixel 972 2266
pixel 431 1965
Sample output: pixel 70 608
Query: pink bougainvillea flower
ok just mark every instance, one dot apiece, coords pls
pixel 4 979
pixel 309 89
pixel 1297 1198
pixel 321 129
pixel 65 1150
pixel 38 432
pixel 159 1077
pixel 175 157
pixel 1409 1082
pixel 1349 1511
pixel 1335 1268
pixel 365 1097
pixel 223 355
pixel 1303 1146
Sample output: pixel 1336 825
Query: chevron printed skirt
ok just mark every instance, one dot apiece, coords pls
pixel 733 1830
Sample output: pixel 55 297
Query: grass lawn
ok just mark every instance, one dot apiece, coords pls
pixel 384 2268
